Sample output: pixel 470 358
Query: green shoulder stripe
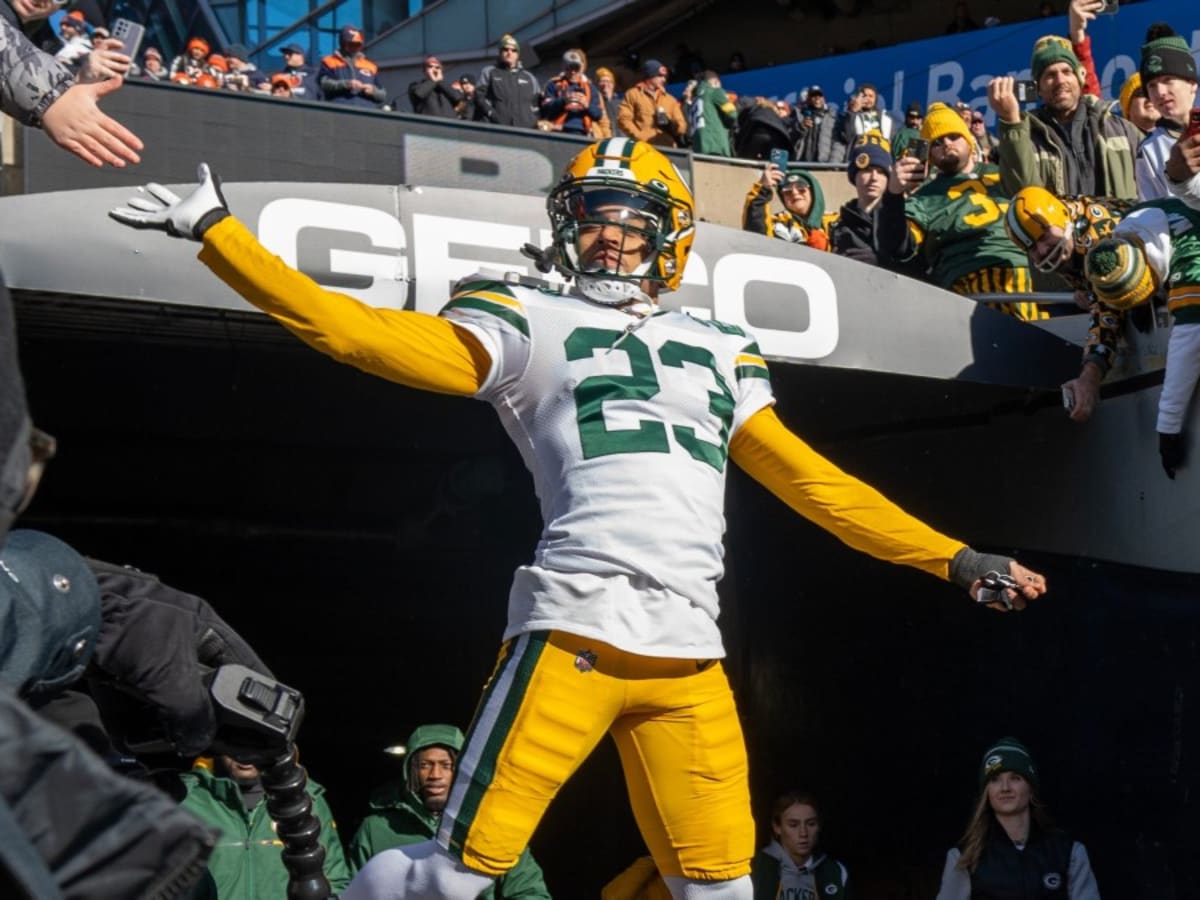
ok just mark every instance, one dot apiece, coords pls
pixel 723 327
pixel 490 287
pixel 502 308
pixel 750 363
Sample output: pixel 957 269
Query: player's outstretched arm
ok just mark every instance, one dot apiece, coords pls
pixel 863 518
pixel 411 348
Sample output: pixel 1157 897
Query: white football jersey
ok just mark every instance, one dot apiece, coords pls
pixel 625 424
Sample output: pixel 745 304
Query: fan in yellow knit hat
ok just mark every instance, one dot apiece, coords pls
pixel 941 120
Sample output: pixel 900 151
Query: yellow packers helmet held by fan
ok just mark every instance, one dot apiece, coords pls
pixel 1119 274
pixel 633 186
pixel 1031 214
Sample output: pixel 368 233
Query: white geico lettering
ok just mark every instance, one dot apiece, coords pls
pixel 280 224
pixel 447 248
pixel 734 271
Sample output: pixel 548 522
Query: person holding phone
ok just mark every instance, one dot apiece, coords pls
pixel 952 225
pixel 801 221
pixel 1071 143
pixel 1168 73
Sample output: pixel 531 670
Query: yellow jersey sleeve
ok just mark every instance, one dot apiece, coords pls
pixel 852 511
pixel 411 348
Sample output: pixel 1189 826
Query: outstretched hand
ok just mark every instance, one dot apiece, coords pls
pixel 74 122
pixel 1026 585
pixel 185 217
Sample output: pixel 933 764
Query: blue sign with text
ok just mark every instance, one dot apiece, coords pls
pixel 959 67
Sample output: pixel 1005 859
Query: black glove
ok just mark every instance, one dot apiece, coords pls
pixel 969 566
pixel 153 641
pixel 1170 450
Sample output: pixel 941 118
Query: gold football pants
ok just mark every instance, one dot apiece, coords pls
pixel 549 701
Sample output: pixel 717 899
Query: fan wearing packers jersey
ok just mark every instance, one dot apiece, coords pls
pixel 1157 245
pixel 627 416
pixel 954 222
pixel 1057 234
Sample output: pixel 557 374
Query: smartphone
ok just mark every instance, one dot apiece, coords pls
pixel 918 149
pixel 1026 91
pixel 779 158
pixel 1193 123
pixel 130 35
pixel 1109 8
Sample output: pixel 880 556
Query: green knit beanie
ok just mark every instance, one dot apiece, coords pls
pixel 1167 56
pixel 1007 755
pixel 1054 49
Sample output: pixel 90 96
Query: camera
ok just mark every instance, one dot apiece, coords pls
pixel 257 716
pixel 1026 91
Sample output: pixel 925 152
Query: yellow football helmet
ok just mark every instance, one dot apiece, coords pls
pixel 1117 269
pixel 1031 214
pixel 630 184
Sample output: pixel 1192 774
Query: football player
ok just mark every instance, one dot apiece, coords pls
pixel 627 415
pixel 1057 234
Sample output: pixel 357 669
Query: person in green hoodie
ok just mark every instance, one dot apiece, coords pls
pixel 247 863
pixel 407 811
pixel 801 219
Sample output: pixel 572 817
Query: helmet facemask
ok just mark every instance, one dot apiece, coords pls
pixel 1055 257
pixel 616 231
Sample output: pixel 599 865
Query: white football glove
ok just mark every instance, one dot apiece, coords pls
pixel 188 217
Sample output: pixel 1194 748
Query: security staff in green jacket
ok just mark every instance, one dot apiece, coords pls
pixel 407 812
pixel 246 863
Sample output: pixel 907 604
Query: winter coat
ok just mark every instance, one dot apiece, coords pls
pixel 398 817
pixel 337 71
pixel 434 98
pixel 69 824
pixel 246 863
pixel 566 117
pixel 820 141
pixel 507 96
pixel 30 80
pixel 638 117
pixel 772 867
pixel 1031 152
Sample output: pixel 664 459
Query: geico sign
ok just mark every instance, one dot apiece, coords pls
pixel 366 252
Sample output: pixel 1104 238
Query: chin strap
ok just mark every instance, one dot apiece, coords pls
pixel 611 291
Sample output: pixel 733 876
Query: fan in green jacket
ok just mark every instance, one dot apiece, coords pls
pixel 247 863
pixel 407 812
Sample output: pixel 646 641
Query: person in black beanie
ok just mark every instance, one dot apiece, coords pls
pixel 1010 848
pixel 855 231
pixel 1168 73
